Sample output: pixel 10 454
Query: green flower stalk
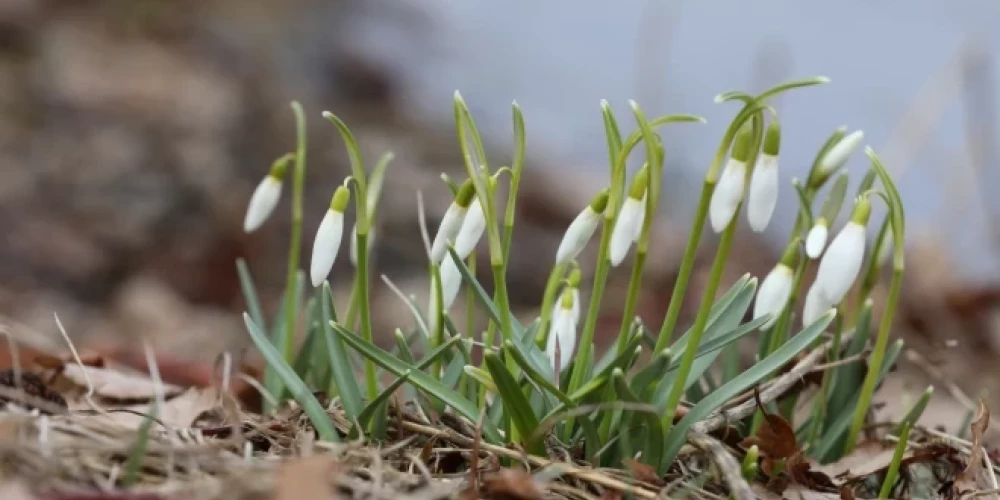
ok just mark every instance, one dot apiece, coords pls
pixel 295 248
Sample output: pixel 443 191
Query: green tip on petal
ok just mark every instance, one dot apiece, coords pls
pixel 574 278
pixel 772 138
pixel 638 189
pixel 600 202
pixel 465 194
pixel 862 211
pixel 279 169
pixel 742 149
pixel 341 197
pixel 566 302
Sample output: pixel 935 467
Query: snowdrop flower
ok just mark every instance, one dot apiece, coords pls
pixel 471 230
pixel 451 281
pixel 451 223
pixel 816 239
pixel 776 289
pixel 731 184
pixel 266 196
pixel 814 307
pixel 581 229
pixel 763 193
pixel 838 155
pixel 841 263
pixel 563 334
pixel 642 219
pixel 631 216
pixel 328 236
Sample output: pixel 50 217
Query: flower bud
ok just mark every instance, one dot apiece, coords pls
pixel 581 229
pixel 732 182
pixel 328 236
pixel 451 223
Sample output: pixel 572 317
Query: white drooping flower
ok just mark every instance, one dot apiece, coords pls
pixel 773 294
pixel 842 261
pixel 471 231
pixel 816 239
pixel 328 236
pixel 563 334
pixel 815 306
pixel 266 196
pixel 451 282
pixel 629 219
pixel 762 195
pixel 581 229
pixel 838 155
pixel 731 185
pixel 641 220
pixel 451 223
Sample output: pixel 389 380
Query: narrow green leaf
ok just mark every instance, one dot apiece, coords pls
pixel 439 351
pixel 304 358
pixel 250 292
pixel 346 380
pixel 272 380
pixel 539 378
pixel 892 474
pixel 917 410
pixel 514 403
pixel 315 411
pixel 644 381
pixel 137 453
pixel 835 199
pixel 419 379
pixel 678 435
pixel 481 376
pixel 653 450
pixel 484 298
pixel 366 415
pixel 453 373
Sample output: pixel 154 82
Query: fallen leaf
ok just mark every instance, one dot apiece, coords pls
pixel 927 473
pixel 775 437
pixel 306 479
pixel 643 472
pixel 178 412
pixel 802 473
pixel 116 385
pixel 978 428
pixel 511 484
pixel 30 391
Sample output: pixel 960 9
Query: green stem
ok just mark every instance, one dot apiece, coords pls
pixel 366 316
pixel 874 364
pixel 295 249
pixel 632 298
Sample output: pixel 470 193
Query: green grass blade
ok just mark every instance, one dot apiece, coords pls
pixel 315 411
pixel 137 454
pixel 439 351
pixel 653 451
pixel 721 308
pixel 452 375
pixel 644 381
pixel 481 376
pixel 372 408
pixel 273 382
pixel 250 293
pixel 678 435
pixel 514 402
pixel 897 457
pixel 304 358
pixel 344 376
pixel 482 296
pixel 848 378
pixel 419 379
pixel 539 378
pixel 917 410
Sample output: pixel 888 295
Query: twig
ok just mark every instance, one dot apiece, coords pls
pixel 730 468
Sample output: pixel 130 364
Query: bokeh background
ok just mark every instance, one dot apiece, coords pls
pixel 132 133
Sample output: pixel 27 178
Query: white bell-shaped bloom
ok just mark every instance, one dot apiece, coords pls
pixel 641 220
pixel 563 334
pixel 816 239
pixel 728 195
pixel 262 203
pixel 838 155
pixel 623 234
pixel 580 231
pixel 815 306
pixel 451 281
pixel 471 231
pixel 326 246
pixel 452 221
pixel 773 294
pixel 763 193
pixel 841 263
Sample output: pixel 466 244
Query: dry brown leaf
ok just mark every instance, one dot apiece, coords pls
pixel 511 484
pixel 116 385
pixel 643 472
pixel 978 429
pixel 306 479
pixel 178 412
pixel 775 437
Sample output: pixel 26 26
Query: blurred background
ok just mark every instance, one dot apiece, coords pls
pixel 132 133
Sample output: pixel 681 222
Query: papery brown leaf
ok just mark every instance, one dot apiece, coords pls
pixel 978 429
pixel 846 493
pixel 777 484
pixel 801 472
pixel 610 494
pixel 113 384
pixel 28 390
pixel 306 479
pixel 180 411
pixel 511 484
pixel 775 437
pixel 643 472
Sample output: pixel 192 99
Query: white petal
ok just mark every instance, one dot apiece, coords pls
pixel 623 233
pixel 841 263
pixel 773 294
pixel 265 197
pixel 451 223
pixel 816 241
pixel 563 332
pixel 577 235
pixel 641 219
pixel 471 231
pixel 815 306
pixel 763 193
pixel 326 245
pixel 838 155
pixel 728 195
pixel 576 305
pixel 451 281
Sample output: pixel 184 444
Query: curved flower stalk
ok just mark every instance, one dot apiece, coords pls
pixel 776 289
pixel 562 341
pixel 630 219
pixel 732 183
pixel 841 263
pixel 816 239
pixel 452 221
pixel 582 228
pixel 267 195
pixel 328 237
pixel 763 193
